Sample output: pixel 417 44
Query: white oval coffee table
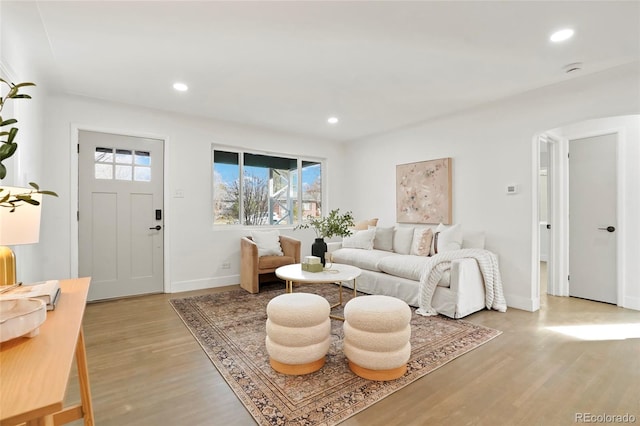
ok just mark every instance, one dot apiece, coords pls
pixel 336 274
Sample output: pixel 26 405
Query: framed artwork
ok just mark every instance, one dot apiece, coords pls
pixel 423 192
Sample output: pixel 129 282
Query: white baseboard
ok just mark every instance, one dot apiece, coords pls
pixel 204 283
pixel 631 303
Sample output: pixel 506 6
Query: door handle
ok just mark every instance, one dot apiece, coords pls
pixel 157 227
pixel 608 228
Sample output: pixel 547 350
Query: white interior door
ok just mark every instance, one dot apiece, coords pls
pixel 592 218
pixel 120 228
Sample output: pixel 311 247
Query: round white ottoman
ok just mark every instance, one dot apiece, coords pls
pixel 298 332
pixel 376 336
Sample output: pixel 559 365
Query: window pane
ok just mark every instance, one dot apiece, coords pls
pixel 258 189
pixel 103 171
pixel 103 155
pixel 226 189
pixel 311 189
pixel 123 172
pixel 255 196
pixel 142 174
pixel 123 156
pixel 142 158
pixel 266 181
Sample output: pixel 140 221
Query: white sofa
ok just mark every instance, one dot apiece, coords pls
pixel 389 267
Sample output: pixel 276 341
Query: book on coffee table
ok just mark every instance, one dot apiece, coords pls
pixel 48 291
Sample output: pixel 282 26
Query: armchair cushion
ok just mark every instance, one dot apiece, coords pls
pixel 274 262
pixel 268 243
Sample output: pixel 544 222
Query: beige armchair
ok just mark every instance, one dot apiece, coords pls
pixel 254 269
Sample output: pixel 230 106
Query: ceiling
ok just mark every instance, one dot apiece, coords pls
pixel 288 66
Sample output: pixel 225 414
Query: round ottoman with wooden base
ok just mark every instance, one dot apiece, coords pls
pixel 298 332
pixel 376 336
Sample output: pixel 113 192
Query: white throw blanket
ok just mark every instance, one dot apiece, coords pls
pixel 441 262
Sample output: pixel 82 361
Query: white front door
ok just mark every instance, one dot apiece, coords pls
pixel 592 218
pixel 120 225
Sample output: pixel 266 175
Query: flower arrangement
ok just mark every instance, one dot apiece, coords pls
pixel 333 225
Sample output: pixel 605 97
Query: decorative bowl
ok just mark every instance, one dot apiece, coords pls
pixel 21 317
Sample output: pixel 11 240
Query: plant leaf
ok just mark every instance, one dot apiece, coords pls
pixel 21 96
pixel 34 185
pixel 9 121
pixel 48 193
pixel 12 134
pixel 7 150
pixel 26 83
pixel 3 170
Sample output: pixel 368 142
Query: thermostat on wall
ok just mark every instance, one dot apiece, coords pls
pixel 512 189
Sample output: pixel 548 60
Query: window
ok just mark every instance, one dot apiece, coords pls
pixel 122 164
pixel 259 189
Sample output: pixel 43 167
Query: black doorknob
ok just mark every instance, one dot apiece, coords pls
pixel 608 228
pixel 157 227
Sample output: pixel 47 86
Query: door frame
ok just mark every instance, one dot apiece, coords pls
pixel 559 212
pixel 74 197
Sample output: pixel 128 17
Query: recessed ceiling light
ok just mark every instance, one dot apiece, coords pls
pixel 332 120
pixel 181 87
pixel 561 35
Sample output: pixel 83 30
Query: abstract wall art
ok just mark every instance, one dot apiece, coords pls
pixel 423 192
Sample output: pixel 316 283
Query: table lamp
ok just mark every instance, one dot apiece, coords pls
pixel 19 225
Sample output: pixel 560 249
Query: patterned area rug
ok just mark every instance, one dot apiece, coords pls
pixel 230 327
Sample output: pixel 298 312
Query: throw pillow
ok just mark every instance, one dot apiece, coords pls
pixel 268 243
pixel 365 224
pixel 447 238
pixel 421 244
pixel 402 238
pixel 360 240
pixel 383 239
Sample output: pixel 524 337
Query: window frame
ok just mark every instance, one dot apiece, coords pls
pixel 241 151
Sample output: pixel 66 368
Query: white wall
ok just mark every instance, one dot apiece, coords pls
pixel 491 148
pixel 195 250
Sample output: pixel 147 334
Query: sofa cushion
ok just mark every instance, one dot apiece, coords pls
pixel 421 243
pixel 406 266
pixel 363 259
pixel 383 239
pixel 360 239
pixel 447 238
pixel 402 238
pixel 268 242
pixel 409 267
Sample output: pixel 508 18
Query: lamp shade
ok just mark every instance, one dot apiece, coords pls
pixel 21 226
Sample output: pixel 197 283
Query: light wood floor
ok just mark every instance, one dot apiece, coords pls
pixel 146 369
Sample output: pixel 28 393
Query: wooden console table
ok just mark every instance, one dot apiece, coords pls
pixel 34 372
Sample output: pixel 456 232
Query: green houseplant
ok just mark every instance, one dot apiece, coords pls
pixel 333 225
pixel 8 148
